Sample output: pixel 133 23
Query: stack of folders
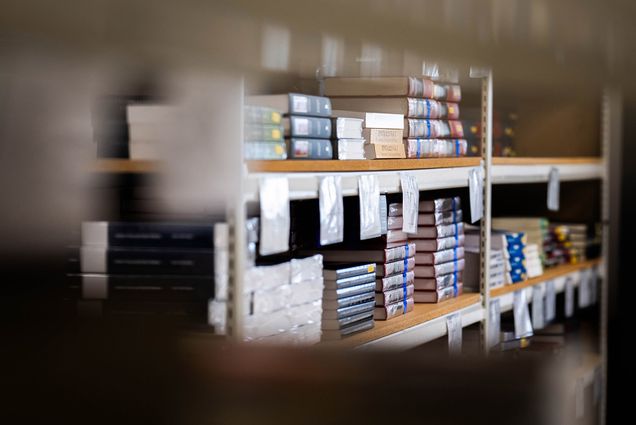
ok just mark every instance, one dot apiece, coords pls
pixel 431 128
pixel 137 268
pixel 283 302
pixel 149 127
pixel 439 242
pixel 394 275
pixel 348 142
pixel 348 299
pixel 382 133
pixel 306 122
pixel 473 264
pixel 571 241
pixel 264 133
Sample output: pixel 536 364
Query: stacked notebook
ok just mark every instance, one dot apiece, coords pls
pixel 137 268
pixel 431 127
pixel 348 299
pixel 283 302
pixel 382 133
pixel 439 243
pixel 306 122
pixel 264 133
pixel 348 142
pixel 148 127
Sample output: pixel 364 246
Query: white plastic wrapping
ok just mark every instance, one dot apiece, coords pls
pixel 284 296
pixel 259 326
pixel 569 296
pixel 538 321
pixel 275 221
pixel 369 194
pixel 476 190
pixel 523 325
pixel 550 302
pixel 454 330
pixel 331 210
pixel 494 311
pixel 553 189
pixel 251 228
pixel 410 203
pixel 435 148
pixel 266 278
pixel 221 260
pixel 384 215
pixel 305 269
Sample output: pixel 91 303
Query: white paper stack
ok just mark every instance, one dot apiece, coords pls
pixel 150 126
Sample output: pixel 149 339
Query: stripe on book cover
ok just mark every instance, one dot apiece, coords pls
pixel 419 147
pixel 455 271
pixel 456 147
pixel 406 259
pixel 428 109
pixel 428 129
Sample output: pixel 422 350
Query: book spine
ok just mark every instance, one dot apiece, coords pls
pixel 394 295
pixel 263 133
pixel 448 255
pixel 382 135
pixel 319 128
pixel 399 252
pixel 124 261
pixel 310 149
pixel 384 151
pixel 261 115
pixel 433 129
pixel 265 150
pixel 395 267
pixel 355 280
pixel 395 281
pixel 354 300
pixel 450 267
pixel 353 271
pixel 421 87
pixel 435 148
pixel 449 92
pixel 302 104
pixel 431 109
pixel 393 310
pixel 145 235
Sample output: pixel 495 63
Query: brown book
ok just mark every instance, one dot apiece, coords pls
pixel 384 151
pixel 382 135
pixel 390 311
pixel 395 267
pixel 437 283
pixel 439 269
pixel 394 295
pixel 408 106
pixel 438 257
pixel 379 86
pixel 436 296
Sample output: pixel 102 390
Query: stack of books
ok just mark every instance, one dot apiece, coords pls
pixel 283 302
pixel 348 142
pixel 394 275
pixel 431 128
pixel 149 126
pixel 439 242
pixel 307 123
pixel 264 133
pixel 137 268
pixel 513 245
pixel 504 124
pixel 382 133
pixel 536 232
pixel 472 266
pixel 348 299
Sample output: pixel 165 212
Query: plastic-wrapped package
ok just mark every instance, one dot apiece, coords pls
pixel 439 269
pixel 434 232
pixel 393 310
pixel 494 311
pixel 265 150
pixel 275 221
pixel 454 331
pixel 410 203
pixel 259 326
pixel 435 148
pixel 433 129
pixel 438 257
pixel 331 210
pixel 428 219
pixel 439 282
pixel 251 228
pixel 475 188
pixel 369 194
pixel 452 205
pixel 303 269
pixel 265 278
pixel 221 260
pixel 284 296
pixel 523 325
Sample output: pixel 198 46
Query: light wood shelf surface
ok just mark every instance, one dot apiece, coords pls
pixel 548 274
pixel 421 313
pixel 546 160
pixel 300 166
pixel 115 165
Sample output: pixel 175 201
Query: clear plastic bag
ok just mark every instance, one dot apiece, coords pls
pixel 523 325
pixel 538 321
pixel 275 221
pixel 495 322
pixel 369 194
pixel 331 210
pixel 410 203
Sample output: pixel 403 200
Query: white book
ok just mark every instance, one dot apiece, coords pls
pixel 374 119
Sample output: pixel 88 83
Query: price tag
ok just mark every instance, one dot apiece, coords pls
pixel 495 322
pixel 476 190
pixel 584 289
pixel 553 189
pixel 454 330
pixel 274 200
pixel 550 301
pixel 331 210
pixel 569 297
pixel 538 321
pixel 410 203
pixel 523 325
pixel 384 215
pixel 369 194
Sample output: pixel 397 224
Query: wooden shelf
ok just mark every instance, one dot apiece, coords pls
pixel 421 314
pixel 302 166
pixel 546 160
pixel 550 273
pixel 116 166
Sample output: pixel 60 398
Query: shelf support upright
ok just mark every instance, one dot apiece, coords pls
pixel 237 215
pixel 611 151
pixel 485 224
